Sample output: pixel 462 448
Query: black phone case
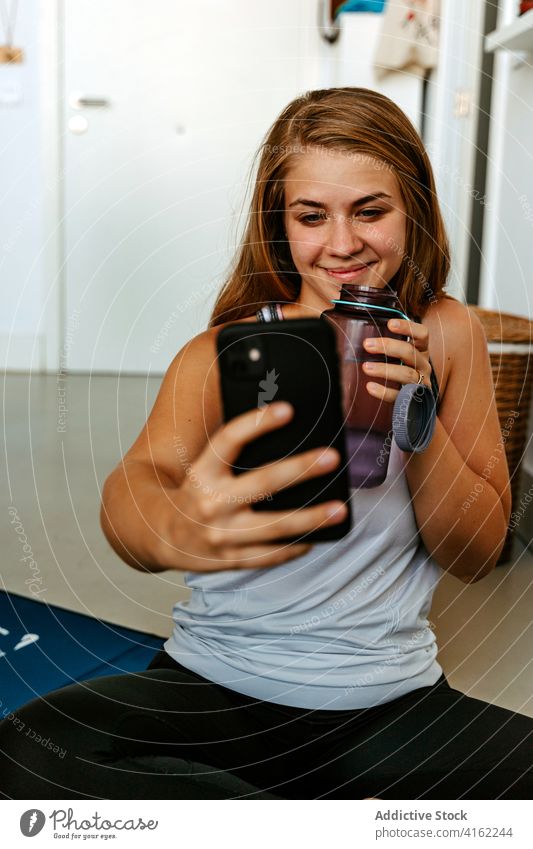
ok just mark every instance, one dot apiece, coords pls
pixel 294 360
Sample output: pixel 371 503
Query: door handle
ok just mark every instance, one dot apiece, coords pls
pixel 81 101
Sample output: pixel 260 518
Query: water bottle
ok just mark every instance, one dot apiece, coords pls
pixel 370 423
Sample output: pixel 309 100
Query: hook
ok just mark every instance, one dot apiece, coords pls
pixel 329 28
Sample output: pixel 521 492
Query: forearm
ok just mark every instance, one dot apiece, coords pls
pixel 459 514
pixel 133 499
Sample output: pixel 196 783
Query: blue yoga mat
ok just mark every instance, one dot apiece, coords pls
pixel 43 647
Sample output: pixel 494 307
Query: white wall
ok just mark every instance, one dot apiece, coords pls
pixel 32 321
pixel 349 62
pixel 30 271
pixel 21 197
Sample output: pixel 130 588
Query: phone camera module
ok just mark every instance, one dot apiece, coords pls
pixel 245 359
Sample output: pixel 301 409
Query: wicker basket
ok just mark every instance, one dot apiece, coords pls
pixel 510 343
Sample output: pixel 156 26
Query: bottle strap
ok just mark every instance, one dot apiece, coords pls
pixel 270 312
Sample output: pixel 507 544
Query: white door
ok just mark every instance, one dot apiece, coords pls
pixel 165 103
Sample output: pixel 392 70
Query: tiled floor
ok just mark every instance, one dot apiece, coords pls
pixel 53 479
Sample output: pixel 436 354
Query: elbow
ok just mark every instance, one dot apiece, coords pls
pixel 476 560
pixel 469 573
pixel 105 523
pixel 482 565
pixel 105 520
pixel 117 528
pixel 109 532
pixel 472 571
pixel 108 528
pixel 491 543
pixel 482 572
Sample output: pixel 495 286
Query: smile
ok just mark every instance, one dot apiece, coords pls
pixel 349 273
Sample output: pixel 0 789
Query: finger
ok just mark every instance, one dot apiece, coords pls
pixel 417 336
pixel 417 332
pixel 381 392
pixel 248 527
pixel 399 373
pixel 397 348
pixel 228 441
pixel 262 482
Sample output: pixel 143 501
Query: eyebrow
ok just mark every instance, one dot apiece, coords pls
pixel 317 203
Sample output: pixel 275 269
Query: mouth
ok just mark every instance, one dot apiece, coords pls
pixel 350 273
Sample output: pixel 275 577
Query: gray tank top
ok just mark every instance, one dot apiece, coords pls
pixel 342 627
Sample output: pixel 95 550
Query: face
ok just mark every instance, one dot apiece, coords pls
pixel 345 222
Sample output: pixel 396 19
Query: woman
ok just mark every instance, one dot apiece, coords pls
pixel 306 671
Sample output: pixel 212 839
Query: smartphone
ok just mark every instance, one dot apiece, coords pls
pixel 293 360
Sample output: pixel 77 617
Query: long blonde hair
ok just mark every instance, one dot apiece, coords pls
pixel 357 121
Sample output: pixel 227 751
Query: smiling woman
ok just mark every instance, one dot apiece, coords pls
pixel 305 671
pixel 353 157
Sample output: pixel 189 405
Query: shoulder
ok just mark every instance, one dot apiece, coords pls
pixel 205 342
pixel 203 345
pixel 450 319
pixel 456 329
pixel 193 373
pixel 188 406
pixel 458 347
pixel 199 353
pixel 456 337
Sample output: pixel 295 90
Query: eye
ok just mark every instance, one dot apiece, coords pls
pixel 313 218
pixel 367 214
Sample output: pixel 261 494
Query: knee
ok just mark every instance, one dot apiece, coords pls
pixel 36 725
pixel 12 729
pixel 37 745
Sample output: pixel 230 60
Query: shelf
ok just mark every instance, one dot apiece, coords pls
pixel 517 35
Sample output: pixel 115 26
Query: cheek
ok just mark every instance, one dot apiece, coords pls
pixel 396 252
pixel 304 246
pixel 394 244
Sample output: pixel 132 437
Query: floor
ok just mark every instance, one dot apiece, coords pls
pixel 56 461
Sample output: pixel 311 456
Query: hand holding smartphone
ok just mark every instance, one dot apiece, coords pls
pixel 295 361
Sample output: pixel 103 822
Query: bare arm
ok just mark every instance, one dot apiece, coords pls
pixel 460 485
pixel 173 502
pixel 138 491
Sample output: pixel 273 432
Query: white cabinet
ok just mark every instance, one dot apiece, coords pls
pixel 516 35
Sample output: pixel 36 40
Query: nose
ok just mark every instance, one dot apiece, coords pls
pixel 343 236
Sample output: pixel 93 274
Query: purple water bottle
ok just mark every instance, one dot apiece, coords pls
pixel 359 313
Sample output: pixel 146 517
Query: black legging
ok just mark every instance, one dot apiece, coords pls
pixel 150 735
